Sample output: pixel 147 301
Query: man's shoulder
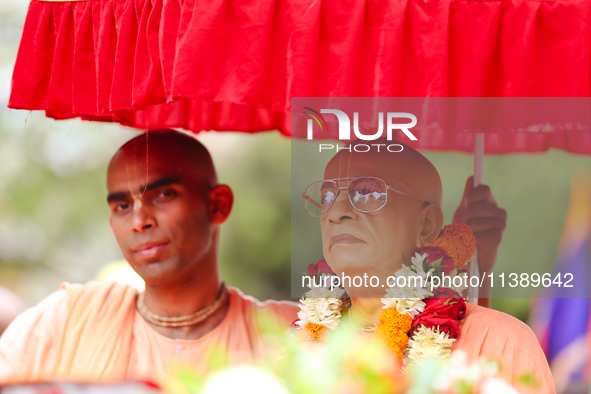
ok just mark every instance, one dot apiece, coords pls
pixel 99 294
pixel 49 312
pixel 29 346
pixel 481 319
pixel 53 310
pixel 499 336
pixel 483 314
pixel 286 310
pixel 97 303
pixel 98 286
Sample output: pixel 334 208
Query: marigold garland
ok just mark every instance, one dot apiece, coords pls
pixel 395 341
pixel 393 318
pixel 394 329
pixel 313 333
pixel 458 242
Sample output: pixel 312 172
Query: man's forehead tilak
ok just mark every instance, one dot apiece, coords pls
pixel 137 203
pixel 137 182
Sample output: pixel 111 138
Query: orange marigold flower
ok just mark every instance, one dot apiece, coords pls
pixel 395 339
pixel 458 242
pixel 391 317
pixel 399 355
pixel 312 333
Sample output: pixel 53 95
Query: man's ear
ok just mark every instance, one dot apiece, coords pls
pixel 431 223
pixel 221 200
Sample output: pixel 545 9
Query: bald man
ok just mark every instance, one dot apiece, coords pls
pixel 166 219
pixel 377 240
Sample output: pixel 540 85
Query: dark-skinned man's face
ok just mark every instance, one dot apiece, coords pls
pixel 165 230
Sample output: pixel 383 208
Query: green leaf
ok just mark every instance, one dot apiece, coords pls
pixel 528 380
pixel 190 380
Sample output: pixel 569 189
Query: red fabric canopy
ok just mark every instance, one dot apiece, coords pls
pixel 234 65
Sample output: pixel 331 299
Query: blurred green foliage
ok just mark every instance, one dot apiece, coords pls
pixel 256 240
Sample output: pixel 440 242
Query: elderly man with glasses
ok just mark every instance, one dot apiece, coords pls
pixel 375 209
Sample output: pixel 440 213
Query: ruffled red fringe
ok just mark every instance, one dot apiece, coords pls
pixel 234 65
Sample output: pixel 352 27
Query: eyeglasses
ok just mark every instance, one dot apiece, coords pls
pixel 366 194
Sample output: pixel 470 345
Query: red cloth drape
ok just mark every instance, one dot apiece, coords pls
pixel 234 65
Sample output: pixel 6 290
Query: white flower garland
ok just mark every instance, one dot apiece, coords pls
pixel 428 344
pixel 323 306
pixel 323 311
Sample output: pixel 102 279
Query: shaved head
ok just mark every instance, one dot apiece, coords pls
pixel 407 170
pixel 184 153
pixel 166 207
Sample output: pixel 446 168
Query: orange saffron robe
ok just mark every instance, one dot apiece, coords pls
pixel 94 333
pixel 501 337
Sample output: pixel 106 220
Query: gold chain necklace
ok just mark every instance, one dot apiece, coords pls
pixel 186 320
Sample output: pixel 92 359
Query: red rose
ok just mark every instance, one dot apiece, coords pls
pixel 433 254
pixel 442 323
pixel 444 310
pixel 445 292
pixel 446 302
pixel 320 267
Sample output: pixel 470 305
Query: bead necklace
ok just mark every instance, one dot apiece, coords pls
pixel 182 321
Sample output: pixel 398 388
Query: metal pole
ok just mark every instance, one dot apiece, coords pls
pixel 478 172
